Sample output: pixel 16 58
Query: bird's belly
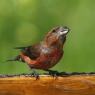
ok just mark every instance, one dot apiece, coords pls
pixel 48 61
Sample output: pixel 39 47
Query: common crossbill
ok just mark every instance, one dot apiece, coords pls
pixel 47 53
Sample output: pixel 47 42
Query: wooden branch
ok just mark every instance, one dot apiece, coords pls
pixel 48 85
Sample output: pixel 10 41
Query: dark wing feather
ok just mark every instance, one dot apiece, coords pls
pixel 32 51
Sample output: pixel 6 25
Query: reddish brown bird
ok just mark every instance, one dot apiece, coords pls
pixel 47 53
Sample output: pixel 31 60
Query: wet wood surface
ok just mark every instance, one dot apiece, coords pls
pixel 48 85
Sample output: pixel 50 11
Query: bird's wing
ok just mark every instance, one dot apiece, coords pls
pixel 32 52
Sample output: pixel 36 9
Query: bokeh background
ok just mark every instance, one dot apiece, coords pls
pixel 25 22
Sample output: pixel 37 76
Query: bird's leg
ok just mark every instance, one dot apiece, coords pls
pixel 35 74
pixel 53 73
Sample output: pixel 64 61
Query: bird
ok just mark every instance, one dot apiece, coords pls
pixel 47 53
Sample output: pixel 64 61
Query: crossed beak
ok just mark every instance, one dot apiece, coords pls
pixel 63 31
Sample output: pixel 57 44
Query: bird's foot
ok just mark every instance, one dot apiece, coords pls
pixel 53 73
pixel 35 74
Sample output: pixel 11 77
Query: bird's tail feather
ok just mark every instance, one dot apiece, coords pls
pixel 20 48
pixel 17 58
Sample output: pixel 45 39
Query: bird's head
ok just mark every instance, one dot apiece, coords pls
pixel 57 35
pixel 60 31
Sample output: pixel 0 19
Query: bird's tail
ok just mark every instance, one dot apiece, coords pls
pixel 22 48
pixel 17 58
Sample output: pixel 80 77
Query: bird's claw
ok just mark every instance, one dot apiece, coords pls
pixel 54 73
pixel 36 76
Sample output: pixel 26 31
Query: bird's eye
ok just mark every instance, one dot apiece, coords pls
pixel 53 31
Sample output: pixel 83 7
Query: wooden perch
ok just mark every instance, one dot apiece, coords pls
pixel 82 84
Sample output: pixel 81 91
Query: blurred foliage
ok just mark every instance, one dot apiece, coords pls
pixel 25 22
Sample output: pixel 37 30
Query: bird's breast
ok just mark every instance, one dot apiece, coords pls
pixel 46 61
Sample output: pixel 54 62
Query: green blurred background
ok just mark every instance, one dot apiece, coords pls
pixel 25 22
